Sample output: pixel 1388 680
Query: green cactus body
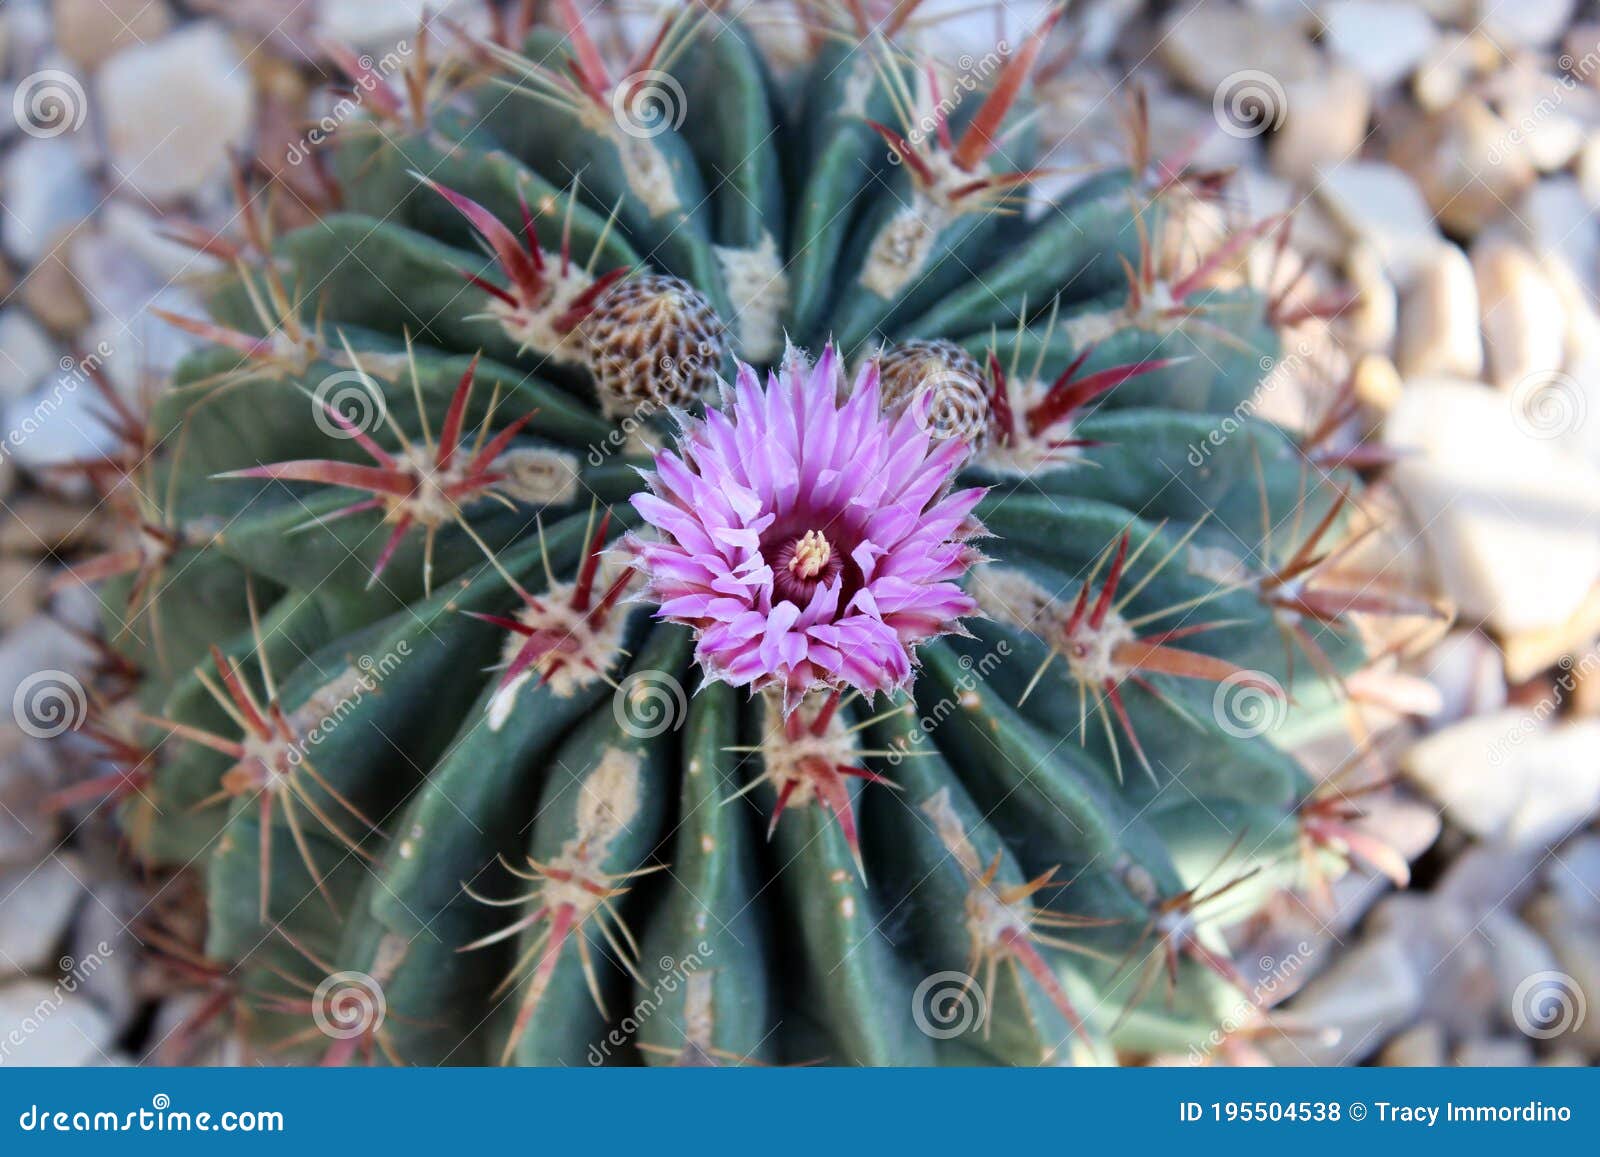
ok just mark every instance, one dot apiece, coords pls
pixel 419 723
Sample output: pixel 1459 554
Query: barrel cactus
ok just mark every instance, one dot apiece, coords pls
pixel 691 559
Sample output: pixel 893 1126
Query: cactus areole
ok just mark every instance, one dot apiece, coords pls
pixel 561 633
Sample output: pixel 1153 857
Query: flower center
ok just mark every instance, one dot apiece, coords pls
pixel 802 563
pixel 810 555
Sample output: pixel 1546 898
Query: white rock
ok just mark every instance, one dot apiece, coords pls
pixel 1371 992
pixel 43 1024
pixel 1574 875
pixel 27 355
pixel 42 645
pixel 1470 674
pixel 1324 123
pixel 1485 876
pixel 364 24
pixel 1373 320
pixel 105 956
pixel 1547 114
pixel 1207 45
pixel 1501 1053
pixel 1421 1046
pixel 1524 324
pixel 1509 777
pixel 1380 204
pixel 1385 41
pixel 1439 318
pixel 1516 953
pixel 1466 160
pixel 61 421
pixel 1532 23
pixel 138 233
pixel 1511 519
pixel 36 904
pixel 48 190
pixel 1560 224
pixel 173 108
pixel 1576 945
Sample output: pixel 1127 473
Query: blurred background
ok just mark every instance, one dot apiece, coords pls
pixel 1441 162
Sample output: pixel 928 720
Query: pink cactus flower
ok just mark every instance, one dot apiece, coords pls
pixel 811 541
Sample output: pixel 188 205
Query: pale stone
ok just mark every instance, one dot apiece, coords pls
pixel 1381 205
pixel 1511 519
pixel 1324 123
pixel 36 904
pixel 1370 992
pixel 1530 23
pixel 43 1024
pixel 1576 946
pixel 1439 319
pixel 1466 161
pixel 27 355
pixel 1383 40
pixel 1421 1046
pixel 1207 45
pixel 48 190
pixel 1509 777
pixel 1524 324
pixel 1469 672
pixel 173 108
pixel 1504 1053
pixel 1373 318
pixel 88 31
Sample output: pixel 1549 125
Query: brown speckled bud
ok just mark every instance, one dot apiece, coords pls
pixel 653 342
pixel 951 380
